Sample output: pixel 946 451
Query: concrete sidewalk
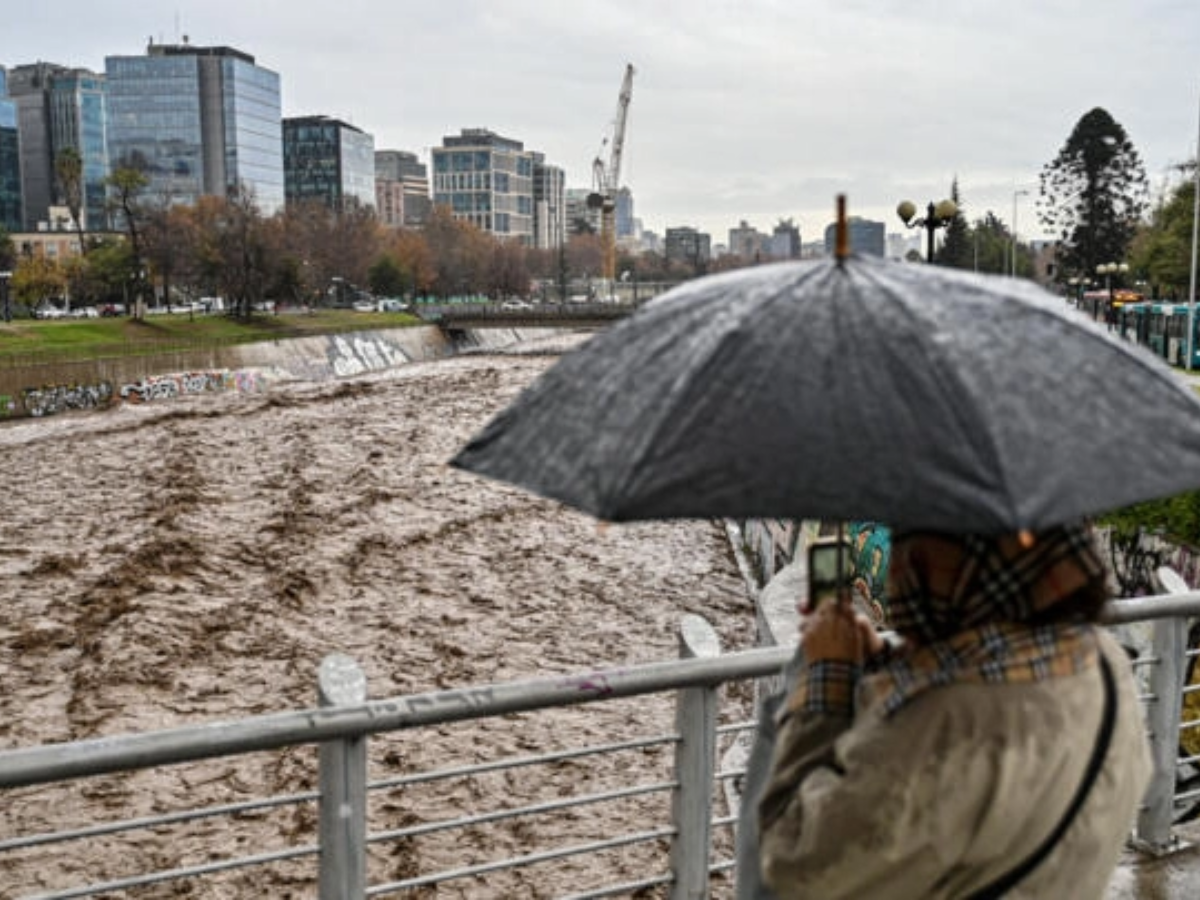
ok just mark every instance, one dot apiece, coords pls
pixel 1172 877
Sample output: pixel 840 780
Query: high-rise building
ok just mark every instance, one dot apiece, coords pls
pixel 79 120
pixel 747 242
pixel 687 245
pixel 582 218
pixel 549 204
pixel 10 161
pixel 328 160
pixel 785 240
pixel 623 215
pixel 866 237
pixel 197 121
pixel 401 189
pixel 60 109
pixel 487 180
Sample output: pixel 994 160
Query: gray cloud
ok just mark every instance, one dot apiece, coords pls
pixel 755 110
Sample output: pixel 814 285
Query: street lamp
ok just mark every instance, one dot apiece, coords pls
pixel 937 216
pixel 1108 270
pixel 5 277
pixel 1016 194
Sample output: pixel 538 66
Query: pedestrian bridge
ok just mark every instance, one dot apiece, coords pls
pixel 471 316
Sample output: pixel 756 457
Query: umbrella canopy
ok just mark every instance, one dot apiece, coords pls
pixel 851 390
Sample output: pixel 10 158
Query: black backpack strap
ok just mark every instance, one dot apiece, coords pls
pixel 1007 882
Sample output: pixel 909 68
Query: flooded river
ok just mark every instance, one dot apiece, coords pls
pixel 193 561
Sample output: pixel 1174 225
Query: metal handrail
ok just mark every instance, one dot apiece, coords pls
pixel 352 721
pixel 99 756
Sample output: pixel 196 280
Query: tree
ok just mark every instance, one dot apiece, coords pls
pixel 956 251
pixel 1093 195
pixel 68 170
pixel 37 278
pixel 1162 249
pixel 385 277
pixel 236 246
pixel 127 184
pixel 8 250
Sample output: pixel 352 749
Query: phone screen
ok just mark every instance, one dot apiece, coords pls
pixel 828 562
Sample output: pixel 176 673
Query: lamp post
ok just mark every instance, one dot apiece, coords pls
pixel 5 277
pixel 1108 270
pixel 1191 317
pixel 937 216
pixel 1013 261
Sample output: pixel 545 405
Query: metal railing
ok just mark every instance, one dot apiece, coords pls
pixel 681 846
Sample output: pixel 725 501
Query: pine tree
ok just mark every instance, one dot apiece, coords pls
pixel 956 251
pixel 1093 195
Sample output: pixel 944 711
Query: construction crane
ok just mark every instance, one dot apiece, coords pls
pixel 607 179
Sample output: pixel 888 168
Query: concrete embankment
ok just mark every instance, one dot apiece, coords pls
pixel 96 384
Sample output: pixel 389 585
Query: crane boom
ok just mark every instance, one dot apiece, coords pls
pixel 608 180
pixel 618 142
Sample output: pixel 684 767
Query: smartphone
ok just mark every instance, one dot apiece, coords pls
pixel 828 569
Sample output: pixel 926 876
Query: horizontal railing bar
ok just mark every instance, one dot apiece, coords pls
pixel 518 861
pixel 724 821
pixel 737 727
pixel 56 762
pixel 621 890
pixel 531 810
pixel 480 768
pixel 1161 606
pixel 211 868
pixel 1185 796
pixel 188 815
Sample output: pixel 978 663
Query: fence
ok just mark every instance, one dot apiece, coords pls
pixel 676 854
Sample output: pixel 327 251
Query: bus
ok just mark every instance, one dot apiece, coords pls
pixel 1161 327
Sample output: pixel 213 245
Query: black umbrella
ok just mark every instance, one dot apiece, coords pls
pixel 855 389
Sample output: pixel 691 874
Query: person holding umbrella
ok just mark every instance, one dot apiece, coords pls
pixel 995 750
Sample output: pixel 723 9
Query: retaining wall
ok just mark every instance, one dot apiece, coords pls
pixel 98 384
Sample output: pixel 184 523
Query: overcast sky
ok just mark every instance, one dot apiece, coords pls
pixel 742 109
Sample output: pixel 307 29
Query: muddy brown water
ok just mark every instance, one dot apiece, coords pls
pixel 190 562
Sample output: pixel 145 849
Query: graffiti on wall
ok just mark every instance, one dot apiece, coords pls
pixel 169 387
pixel 357 354
pixel 872 547
pixel 51 399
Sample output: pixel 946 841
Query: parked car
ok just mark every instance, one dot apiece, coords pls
pixel 47 310
pixel 392 304
pixel 516 304
pixel 364 306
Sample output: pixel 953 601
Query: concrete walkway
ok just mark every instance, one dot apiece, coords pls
pixel 1175 876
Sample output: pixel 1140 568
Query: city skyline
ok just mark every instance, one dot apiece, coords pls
pixel 727 95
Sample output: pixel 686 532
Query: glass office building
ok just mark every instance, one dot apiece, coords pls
pixel 198 121
pixel 10 161
pixel 487 180
pixel 78 119
pixel 327 160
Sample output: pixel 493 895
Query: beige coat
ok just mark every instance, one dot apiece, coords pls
pixel 960 786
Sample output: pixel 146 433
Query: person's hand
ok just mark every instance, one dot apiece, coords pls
pixel 833 632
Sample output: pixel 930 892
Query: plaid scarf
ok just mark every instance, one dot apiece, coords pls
pixel 967 607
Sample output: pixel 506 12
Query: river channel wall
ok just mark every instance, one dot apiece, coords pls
pixel 99 384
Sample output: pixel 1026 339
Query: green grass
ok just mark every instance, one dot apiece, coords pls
pixel 27 341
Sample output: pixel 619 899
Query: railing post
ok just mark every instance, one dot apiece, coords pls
pixel 695 767
pixel 343 804
pixel 1169 643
